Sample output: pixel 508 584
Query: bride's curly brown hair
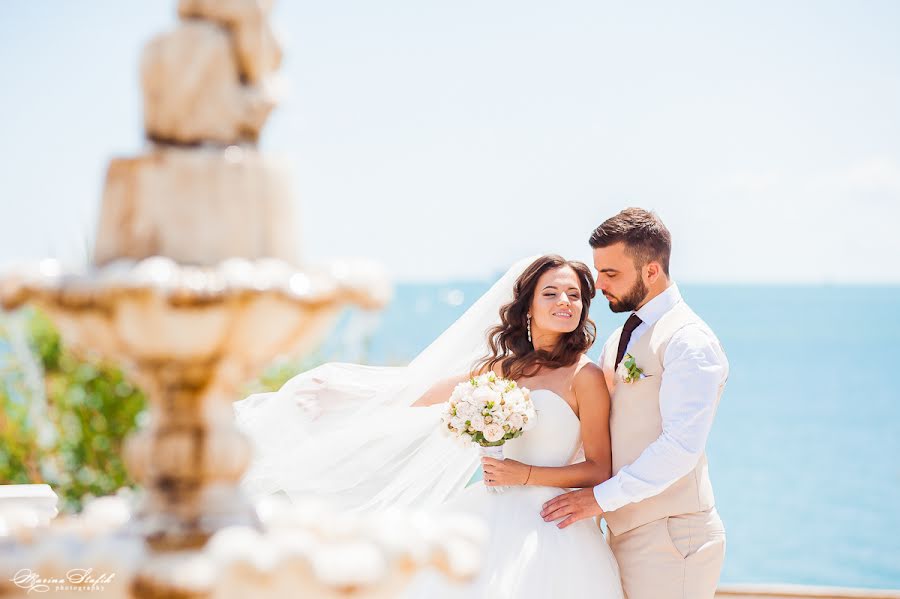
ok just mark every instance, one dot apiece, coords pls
pixel 508 341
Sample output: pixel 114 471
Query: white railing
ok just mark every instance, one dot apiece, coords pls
pixel 784 591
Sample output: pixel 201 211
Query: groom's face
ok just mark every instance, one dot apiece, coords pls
pixel 618 279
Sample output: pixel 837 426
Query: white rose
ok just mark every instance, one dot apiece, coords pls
pixel 515 397
pixel 515 421
pixel 493 433
pixel 483 395
pixel 463 440
pixel 523 409
pixel 458 423
pixel 477 421
pixel 465 410
pixel 530 419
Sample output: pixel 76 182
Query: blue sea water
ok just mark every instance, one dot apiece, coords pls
pixel 805 451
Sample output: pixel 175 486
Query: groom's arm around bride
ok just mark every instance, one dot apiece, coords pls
pixel 665 370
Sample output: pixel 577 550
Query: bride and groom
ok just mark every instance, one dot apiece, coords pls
pixel 627 433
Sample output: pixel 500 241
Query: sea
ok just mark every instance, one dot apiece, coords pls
pixel 805 450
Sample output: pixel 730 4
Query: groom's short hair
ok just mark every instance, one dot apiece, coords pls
pixel 644 234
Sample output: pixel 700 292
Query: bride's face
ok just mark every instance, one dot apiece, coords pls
pixel 556 306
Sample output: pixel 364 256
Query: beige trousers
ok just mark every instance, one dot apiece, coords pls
pixel 679 557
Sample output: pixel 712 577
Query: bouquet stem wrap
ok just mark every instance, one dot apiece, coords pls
pixel 495 452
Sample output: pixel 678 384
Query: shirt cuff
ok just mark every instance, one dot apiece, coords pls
pixel 609 496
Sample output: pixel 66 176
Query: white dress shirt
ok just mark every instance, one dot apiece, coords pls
pixel 694 366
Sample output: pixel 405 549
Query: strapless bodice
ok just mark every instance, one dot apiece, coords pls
pixel 555 438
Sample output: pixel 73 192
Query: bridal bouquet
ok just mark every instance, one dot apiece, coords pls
pixel 489 411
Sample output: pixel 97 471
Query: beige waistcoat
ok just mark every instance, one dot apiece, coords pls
pixel 635 423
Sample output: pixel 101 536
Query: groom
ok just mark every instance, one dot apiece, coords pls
pixel 665 371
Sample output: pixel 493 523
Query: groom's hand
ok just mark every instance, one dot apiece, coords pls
pixel 571 507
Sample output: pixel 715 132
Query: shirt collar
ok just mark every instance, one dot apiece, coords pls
pixel 653 310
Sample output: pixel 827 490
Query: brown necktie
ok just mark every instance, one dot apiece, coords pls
pixel 630 325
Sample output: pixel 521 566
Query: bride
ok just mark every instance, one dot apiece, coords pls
pixel 369 438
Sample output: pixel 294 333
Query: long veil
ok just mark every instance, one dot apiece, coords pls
pixel 346 434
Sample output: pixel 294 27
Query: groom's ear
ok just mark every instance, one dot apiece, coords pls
pixel 652 271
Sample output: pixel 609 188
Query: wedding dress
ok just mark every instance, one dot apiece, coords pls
pixel 527 557
pixel 347 434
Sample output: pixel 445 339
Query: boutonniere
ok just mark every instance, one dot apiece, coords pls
pixel 629 371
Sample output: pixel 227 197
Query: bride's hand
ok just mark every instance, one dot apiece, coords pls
pixel 504 473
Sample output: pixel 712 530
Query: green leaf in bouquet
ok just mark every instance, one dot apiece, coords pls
pixel 487 443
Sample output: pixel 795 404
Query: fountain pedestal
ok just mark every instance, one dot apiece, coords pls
pixel 195 286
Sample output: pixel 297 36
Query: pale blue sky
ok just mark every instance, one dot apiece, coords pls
pixel 447 138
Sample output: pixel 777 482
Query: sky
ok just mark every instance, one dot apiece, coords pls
pixel 447 139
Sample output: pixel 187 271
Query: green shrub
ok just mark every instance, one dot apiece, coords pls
pixel 72 440
pixel 64 417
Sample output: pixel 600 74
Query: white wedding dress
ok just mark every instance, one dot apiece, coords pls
pixel 527 557
pixel 347 434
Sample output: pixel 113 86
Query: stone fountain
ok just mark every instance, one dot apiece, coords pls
pixel 196 283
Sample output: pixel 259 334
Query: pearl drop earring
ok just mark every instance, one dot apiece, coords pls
pixel 528 327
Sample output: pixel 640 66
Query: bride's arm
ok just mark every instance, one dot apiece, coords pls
pixel 440 391
pixel 593 410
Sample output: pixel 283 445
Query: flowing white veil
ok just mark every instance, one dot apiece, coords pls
pixel 346 434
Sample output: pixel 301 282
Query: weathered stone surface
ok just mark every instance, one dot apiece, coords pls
pixel 255 44
pixel 197 206
pixel 39 500
pixel 193 92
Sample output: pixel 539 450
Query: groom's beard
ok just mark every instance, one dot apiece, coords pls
pixel 631 300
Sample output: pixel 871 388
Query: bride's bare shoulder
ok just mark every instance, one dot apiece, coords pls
pixel 588 373
pixel 585 361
